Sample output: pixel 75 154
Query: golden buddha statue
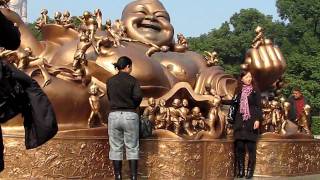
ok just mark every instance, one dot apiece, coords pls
pixel 148 24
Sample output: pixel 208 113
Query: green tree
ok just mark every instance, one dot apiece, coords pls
pixel 234 37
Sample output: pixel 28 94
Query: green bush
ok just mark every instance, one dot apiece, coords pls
pixel 316 125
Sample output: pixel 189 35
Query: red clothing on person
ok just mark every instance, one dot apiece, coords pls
pixel 299 107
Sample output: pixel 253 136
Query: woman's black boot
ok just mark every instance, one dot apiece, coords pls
pixel 250 170
pixel 241 169
pixel 133 164
pixel 117 166
pixel 249 173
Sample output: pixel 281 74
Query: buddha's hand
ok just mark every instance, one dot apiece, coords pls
pixel 266 63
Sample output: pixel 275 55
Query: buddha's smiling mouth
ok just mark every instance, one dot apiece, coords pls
pixel 149 26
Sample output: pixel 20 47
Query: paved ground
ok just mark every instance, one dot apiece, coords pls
pixel 309 177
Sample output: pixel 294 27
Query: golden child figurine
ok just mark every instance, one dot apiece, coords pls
pixel 150 111
pixel 197 119
pixel 98 15
pixel 67 21
pixel 80 58
pixel 95 119
pixel 25 59
pixel 43 20
pixel 285 117
pixel 175 116
pixel 304 120
pixel 259 39
pixel 58 18
pixel 162 115
pixel 266 114
pixel 186 122
pixel 211 58
pixel 214 117
pixel 276 116
pixel 182 43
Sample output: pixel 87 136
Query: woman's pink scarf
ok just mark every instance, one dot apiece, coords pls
pixel 244 104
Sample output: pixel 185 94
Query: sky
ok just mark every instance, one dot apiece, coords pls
pixel 189 17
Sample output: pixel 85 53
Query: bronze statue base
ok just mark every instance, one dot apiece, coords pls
pixel 86 157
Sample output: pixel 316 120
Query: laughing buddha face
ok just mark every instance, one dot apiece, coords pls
pixel 148 21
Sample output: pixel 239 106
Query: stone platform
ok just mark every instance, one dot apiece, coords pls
pixel 86 157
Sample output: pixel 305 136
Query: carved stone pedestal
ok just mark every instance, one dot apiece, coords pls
pixel 86 157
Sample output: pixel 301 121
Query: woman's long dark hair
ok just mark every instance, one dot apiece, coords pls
pixel 122 63
pixel 240 83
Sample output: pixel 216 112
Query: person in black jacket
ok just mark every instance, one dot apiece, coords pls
pixel 246 125
pixel 124 95
pixel 21 94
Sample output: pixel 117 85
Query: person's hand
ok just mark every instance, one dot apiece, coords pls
pixel 265 63
pixel 256 125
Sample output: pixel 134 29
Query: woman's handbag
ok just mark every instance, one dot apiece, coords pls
pixel 231 117
pixel 145 127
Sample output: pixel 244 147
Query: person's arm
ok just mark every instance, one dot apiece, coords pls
pixel 137 94
pixel 9 34
pixel 258 111
pixel 107 85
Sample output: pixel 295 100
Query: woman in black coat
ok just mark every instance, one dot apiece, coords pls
pixel 21 94
pixel 247 117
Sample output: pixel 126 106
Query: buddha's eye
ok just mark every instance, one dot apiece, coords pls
pixel 162 15
pixel 141 12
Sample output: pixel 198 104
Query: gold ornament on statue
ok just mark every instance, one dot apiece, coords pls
pixel 43 19
pixel 304 121
pixel 211 58
pixel 95 119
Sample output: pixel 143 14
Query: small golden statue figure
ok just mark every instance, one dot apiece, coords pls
pixel 108 25
pixel 208 90
pixel 186 122
pixel 162 115
pixel 91 27
pixel 259 39
pixel 84 27
pixel 150 111
pixel 304 120
pixel 57 18
pixel 182 43
pixel 117 31
pixel 80 54
pixel 267 111
pixel 197 119
pixel 67 21
pixel 285 117
pixel 175 116
pixel 276 115
pixel 98 15
pixel 213 115
pixel 211 58
pixel 43 20
pixel 95 119
pixel 24 59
